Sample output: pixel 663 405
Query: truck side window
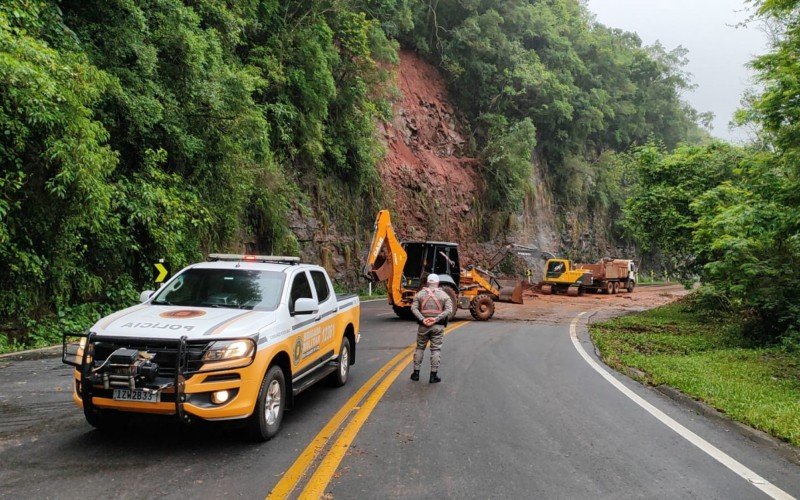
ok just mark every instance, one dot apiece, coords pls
pixel 301 289
pixel 321 285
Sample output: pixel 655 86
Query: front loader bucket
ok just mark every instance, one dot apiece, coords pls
pixel 512 295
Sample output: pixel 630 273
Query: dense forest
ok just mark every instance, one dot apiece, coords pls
pixel 140 129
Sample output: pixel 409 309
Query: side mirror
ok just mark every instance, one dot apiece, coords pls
pixel 306 306
pixel 145 296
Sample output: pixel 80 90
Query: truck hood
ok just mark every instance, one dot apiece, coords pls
pixel 173 322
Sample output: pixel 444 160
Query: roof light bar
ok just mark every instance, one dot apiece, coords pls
pixel 232 257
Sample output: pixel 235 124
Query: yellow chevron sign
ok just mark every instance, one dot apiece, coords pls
pixel 162 272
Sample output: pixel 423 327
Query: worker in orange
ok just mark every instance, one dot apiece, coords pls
pixel 432 307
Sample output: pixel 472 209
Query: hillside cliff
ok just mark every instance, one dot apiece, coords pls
pixel 432 186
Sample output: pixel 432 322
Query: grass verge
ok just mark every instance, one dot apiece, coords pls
pixel 710 360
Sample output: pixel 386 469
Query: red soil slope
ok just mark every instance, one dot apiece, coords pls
pixel 430 182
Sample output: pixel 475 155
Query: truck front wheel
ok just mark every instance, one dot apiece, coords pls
pixel 340 376
pixel 631 285
pixel 266 419
pixel 482 307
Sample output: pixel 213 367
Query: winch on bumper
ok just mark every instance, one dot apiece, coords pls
pixel 208 379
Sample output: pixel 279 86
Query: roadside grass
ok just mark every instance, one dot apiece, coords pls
pixel 710 360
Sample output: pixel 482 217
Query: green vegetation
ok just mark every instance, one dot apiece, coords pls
pixel 708 358
pixel 585 87
pixel 132 130
pixel 730 216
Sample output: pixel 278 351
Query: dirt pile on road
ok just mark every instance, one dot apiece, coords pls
pixel 431 181
pixel 554 308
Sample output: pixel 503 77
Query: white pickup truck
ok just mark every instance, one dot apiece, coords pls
pixel 237 337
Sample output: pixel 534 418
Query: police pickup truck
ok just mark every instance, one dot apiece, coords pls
pixel 234 338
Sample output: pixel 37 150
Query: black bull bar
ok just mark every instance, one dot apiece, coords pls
pixel 185 366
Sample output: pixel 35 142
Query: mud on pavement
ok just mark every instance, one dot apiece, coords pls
pixel 556 308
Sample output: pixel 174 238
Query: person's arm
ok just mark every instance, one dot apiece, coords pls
pixel 415 308
pixel 447 309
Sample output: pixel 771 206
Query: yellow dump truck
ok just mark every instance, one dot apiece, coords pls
pixel 607 276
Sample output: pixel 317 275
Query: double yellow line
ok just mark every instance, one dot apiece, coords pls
pixel 323 473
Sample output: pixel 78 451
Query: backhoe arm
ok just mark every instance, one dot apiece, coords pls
pixel 387 258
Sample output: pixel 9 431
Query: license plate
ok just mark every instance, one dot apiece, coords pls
pixel 137 395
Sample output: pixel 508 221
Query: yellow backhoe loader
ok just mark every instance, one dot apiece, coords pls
pixel 404 267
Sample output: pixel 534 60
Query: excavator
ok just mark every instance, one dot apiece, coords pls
pixel 405 266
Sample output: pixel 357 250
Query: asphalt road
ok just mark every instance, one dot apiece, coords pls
pixel 519 414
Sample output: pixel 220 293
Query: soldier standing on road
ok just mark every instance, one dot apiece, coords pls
pixel 432 308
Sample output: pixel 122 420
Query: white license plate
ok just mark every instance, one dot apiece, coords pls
pixel 137 395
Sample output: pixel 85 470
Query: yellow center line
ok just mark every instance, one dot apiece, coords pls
pixel 298 469
pixel 327 468
pixel 301 465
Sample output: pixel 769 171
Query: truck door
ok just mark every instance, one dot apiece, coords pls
pixel 306 344
pixel 328 308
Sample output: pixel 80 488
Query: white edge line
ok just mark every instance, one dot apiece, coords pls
pixel 726 460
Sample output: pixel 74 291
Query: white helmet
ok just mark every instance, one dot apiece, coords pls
pixel 433 278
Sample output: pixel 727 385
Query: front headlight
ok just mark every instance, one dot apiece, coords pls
pixel 223 350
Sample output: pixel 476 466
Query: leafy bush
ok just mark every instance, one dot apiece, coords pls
pixel 134 131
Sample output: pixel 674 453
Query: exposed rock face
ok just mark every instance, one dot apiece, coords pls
pixel 432 187
pixel 430 182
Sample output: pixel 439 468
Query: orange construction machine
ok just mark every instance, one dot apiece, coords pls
pixel 404 267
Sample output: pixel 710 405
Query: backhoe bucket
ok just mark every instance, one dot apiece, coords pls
pixel 511 294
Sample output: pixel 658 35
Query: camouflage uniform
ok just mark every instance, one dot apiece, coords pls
pixel 431 303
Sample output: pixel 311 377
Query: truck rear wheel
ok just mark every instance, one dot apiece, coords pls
pixel 267 415
pixel 615 287
pixel 454 297
pixel 482 307
pixel 608 287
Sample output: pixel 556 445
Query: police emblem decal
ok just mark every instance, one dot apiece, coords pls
pixel 298 348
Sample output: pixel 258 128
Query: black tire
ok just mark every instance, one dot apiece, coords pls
pixel 342 373
pixel 403 312
pixel 454 297
pixel 615 288
pixel 630 286
pixel 482 307
pixel 608 288
pixel 258 427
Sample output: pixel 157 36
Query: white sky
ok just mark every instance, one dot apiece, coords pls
pixel 718 51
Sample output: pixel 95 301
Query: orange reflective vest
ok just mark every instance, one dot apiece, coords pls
pixel 430 306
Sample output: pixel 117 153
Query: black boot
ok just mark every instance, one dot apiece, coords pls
pixel 435 378
pixel 415 375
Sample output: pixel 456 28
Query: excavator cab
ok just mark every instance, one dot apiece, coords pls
pixel 556 267
pixel 430 257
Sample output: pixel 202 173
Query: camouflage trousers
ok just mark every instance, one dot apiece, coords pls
pixel 435 336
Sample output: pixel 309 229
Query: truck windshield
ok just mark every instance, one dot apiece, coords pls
pixel 230 288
